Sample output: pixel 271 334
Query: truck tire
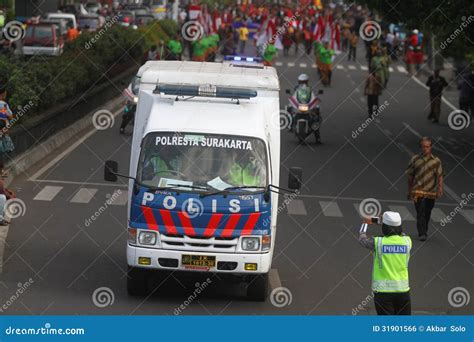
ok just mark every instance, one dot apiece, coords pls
pixel 137 281
pixel 257 289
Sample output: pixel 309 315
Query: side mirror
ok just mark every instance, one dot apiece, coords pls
pixel 295 178
pixel 288 91
pixel 110 171
pixel 320 92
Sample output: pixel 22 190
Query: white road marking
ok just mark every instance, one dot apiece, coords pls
pixel 278 64
pixel 437 215
pixel 403 211
pixel 274 279
pixel 71 148
pixel 296 207
pixel 78 183
pixel 442 98
pixel 330 209
pixel 3 239
pixel 332 198
pixel 121 199
pixel 291 64
pixel 390 69
pixel 468 215
pixel 352 67
pixel 363 67
pixel 401 69
pixel 48 193
pixel 434 146
pixel 303 65
pixel 340 67
pixel 84 195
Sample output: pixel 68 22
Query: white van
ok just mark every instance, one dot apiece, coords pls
pixel 205 161
pixel 68 17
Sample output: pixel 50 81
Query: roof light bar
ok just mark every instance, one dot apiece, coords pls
pixel 243 59
pixel 205 90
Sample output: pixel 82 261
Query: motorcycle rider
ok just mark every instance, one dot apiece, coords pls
pixel 303 93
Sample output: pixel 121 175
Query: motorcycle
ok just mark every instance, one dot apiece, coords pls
pixel 131 96
pixel 305 115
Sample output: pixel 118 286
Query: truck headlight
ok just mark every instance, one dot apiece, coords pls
pixel 250 243
pixel 135 99
pixel 147 238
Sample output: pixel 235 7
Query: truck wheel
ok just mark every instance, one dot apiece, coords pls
pixel 257 289
pixel 137 281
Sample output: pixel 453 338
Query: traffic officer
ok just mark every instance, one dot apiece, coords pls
pixel 390 283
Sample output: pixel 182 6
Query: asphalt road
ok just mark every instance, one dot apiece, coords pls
pixel 317 257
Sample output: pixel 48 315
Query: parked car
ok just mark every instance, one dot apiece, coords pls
pixel 126 18
pixel 90 23
pixel 76 9
pixel 60 23
pixel 144 19
pixel 93 7
pixel 70 18
pixel 158 9
pixel 43 38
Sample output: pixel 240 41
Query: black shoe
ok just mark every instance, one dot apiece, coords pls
pixel 423 237
pixel 435 121
pixel 4 223
pixel 430 117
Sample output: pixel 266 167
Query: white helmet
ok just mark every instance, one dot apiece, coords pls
pixel 415 31
pixel 303 78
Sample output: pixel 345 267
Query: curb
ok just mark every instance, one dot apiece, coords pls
pixel 26 160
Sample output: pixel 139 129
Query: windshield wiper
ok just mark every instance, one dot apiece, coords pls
pixel 200 187
pixel 227 190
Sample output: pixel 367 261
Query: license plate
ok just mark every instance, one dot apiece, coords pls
pixel 198 260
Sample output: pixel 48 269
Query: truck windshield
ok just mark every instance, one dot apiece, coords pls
pixel 202 162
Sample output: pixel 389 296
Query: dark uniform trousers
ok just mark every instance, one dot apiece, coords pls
pixel 396 303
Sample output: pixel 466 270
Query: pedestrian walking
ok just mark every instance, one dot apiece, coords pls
pixel 353 40
pixel 243 37
pixel 6 144
pixel 425 184
pixel 390 276
pixel 373 89
pixel 466 92
pixel 436 83
pixel 5 195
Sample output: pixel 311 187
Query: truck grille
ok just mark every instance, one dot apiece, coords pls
pixel 199 244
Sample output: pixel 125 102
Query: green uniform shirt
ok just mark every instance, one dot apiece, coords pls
pixel 175 47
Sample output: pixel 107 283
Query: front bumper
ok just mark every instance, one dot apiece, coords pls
pixel 263 260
